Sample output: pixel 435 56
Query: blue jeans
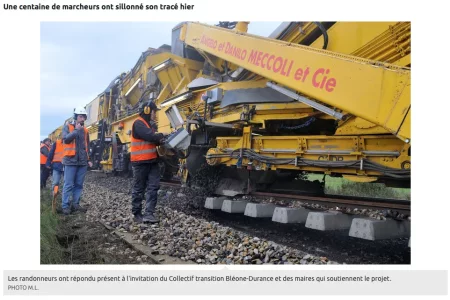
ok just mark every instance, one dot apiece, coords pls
pixel 56 179
pixel 73 185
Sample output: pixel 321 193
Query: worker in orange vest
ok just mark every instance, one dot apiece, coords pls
pixel 54 161
pixel 144 161
pixel 45 148
pixel 75 138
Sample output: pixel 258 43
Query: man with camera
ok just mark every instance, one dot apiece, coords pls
pixel 76 160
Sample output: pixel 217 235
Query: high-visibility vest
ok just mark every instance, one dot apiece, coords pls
pixel 70 149
pixel 59 152
pixel 43 157
pixel 142 150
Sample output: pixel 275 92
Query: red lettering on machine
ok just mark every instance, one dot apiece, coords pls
pixel 277 64
pixel 235 51
pixel 319 79
pixel 209 42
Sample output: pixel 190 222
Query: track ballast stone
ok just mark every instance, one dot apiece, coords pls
pixel 189 237
pixel 336 246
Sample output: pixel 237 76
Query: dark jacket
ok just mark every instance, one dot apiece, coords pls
pixel 142 132
pixel 81 157
pixel 58 166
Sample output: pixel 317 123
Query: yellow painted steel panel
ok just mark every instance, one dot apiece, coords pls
pixel 364 88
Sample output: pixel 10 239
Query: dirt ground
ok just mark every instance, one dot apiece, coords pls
pixel 91 243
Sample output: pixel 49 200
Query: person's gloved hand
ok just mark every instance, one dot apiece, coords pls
pixel 160 138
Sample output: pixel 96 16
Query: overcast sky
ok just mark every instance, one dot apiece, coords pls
pixel 79 60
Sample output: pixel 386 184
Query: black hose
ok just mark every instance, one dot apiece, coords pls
pixel 324 33
pixel 166 161
pixel 227 72
pixel 142 98
pixel 226 24
pixel 181 155
pixel 112 84
pixel 354 164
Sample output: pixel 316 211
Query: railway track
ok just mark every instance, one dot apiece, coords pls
pixel 402 206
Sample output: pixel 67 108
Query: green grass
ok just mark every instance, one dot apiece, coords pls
pixel 51 250
pixel 342 186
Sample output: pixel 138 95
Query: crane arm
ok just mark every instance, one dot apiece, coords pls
pixel 372 90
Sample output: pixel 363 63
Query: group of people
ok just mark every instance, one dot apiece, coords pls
pixel 51 159
pixel 69 156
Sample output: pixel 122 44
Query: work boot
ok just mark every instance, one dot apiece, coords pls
pixel 138 218
pixel 62 211
pixel 150 219
pixel 79 208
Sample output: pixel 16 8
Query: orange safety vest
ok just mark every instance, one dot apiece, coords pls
pixel 43 157
pixel 142 150
pixel 59 152
pixel 70 149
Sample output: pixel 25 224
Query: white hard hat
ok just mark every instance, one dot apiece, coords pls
pixel 79 111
